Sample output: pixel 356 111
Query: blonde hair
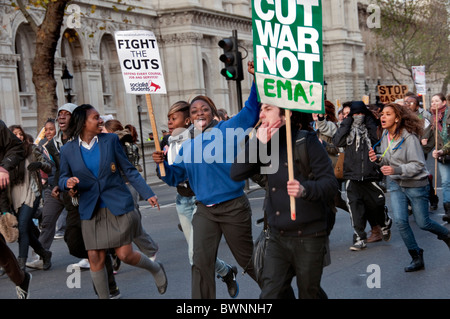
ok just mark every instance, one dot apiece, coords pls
pixel 180 106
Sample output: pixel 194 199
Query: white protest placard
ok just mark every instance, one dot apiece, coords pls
pixel 140 62
pixel 419 79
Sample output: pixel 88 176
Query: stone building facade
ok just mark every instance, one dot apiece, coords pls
pixel 188 32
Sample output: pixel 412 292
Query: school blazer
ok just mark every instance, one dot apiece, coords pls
pixel 109 185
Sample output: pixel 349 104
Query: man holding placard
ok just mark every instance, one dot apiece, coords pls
pixel 287 38
pixel 288 48
pixel 295 247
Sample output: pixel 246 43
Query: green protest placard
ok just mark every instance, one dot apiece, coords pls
pixel 288 56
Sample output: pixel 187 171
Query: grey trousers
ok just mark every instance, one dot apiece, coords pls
pixel 51 211
pixel 231 219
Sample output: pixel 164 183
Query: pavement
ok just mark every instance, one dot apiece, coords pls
pixel 375 273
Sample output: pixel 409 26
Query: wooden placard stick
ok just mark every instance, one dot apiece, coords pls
pixel 436 148
pixel 290 158
pixel 424 100
pixel 154 130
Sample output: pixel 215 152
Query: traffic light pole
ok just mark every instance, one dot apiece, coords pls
pixel 238 81
pixel 239 94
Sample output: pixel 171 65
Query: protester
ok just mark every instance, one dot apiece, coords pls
pixel 11 154
pixel 365 198
pixel 412 101
pixel 52 207
pixel 180 129
pixel 26 189
pixel 222 206
pixel 442 152
pixel 106 207
pixel 73 235
pixel 402 161
pixel 301 244
pixel 223 114
pixel 144 241
pixel 326 126
pixel 441 115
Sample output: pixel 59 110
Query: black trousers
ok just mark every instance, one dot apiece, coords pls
pixel 9 263
pixel 366 201
pixel 287 257
pixel 231 219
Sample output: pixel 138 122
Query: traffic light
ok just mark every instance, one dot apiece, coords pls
pixel 232 59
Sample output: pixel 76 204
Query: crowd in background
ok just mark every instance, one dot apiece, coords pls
pixel 383 149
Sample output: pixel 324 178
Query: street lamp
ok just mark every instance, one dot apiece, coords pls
pixel 67 82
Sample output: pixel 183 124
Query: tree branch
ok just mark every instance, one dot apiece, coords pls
pixel 34 26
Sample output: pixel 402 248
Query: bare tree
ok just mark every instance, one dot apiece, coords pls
pixel 414 32
pixel 47 36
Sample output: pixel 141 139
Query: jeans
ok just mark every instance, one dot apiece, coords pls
pixel 418 199
pixel 28 232
pixel 186 209
pixel 444 171
pixel 293 256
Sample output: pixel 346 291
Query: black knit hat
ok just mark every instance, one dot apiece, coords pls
pixel 358 107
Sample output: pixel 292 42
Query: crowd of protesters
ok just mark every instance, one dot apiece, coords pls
pixel 87 166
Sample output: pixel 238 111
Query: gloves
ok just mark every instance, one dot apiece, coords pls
pixel 34 166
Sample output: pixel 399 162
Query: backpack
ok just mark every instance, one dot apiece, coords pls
pixel 301 162
pixel 132 152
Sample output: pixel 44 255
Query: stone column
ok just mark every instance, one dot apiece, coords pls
pixel 9 99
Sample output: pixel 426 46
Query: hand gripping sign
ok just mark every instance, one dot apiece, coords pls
pixel 141 70
pixel 287 40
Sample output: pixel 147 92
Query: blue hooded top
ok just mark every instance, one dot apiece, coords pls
pixel 206 159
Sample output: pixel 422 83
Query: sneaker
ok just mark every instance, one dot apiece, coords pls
pixel 230 280
pixel 37 264
pixel 83 264
pixel 358 245
pixel 2 271
pixel 114 293
pixel 116 262
pixel 34 257
pixel 59 236
pixel 22 289
pixel 386 230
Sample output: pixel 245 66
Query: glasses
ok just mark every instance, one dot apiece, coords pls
pixel 411 103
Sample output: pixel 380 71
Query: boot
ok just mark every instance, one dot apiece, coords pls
pixel 22 261
pixel 416 262
pixel 375 235
pixel 446 217
pixel 445 239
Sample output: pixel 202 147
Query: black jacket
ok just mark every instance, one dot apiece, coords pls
pixel 357 165
pixel 312 209
pixel 11 150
